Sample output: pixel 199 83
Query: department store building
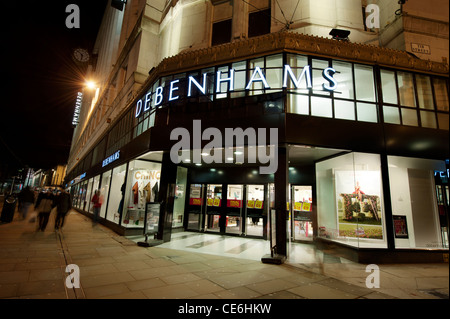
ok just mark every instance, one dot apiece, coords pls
pixel 361 150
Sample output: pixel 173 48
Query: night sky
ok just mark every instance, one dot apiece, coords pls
pixel 41 80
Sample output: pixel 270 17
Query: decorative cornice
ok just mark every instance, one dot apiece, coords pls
pixel 287 41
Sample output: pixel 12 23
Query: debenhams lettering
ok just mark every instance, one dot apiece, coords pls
pixel 145 103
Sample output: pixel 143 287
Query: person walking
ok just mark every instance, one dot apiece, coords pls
pixel 63 205
pixel 26 199
pixel 97 204
pixel 44 205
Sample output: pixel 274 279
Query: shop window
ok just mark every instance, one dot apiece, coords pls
pixel 389 87
pixel 424 93
pixel 428 119
pixel 414 207
pixel 104 192
pixel 221 32
pixel 391 115
pixel 406 89
pixel 344 110
pixel 142 187
pixel 298 104
pixel 95 184
pixel 259 23
pixel 441 94
pixel 364 83
pixel 350 206
pixel 180 197
pixel 367 112
pixel 116 195
pixel 409 117
pixel 321 107
pixel 344 78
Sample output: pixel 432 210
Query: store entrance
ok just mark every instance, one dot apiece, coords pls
pixel 227 209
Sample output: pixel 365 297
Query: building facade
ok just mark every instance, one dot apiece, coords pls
pixel 250 119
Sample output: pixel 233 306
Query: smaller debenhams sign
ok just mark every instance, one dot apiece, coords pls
pixel 156 98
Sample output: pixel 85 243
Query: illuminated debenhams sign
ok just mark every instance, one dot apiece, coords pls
pixel 76 113
pixel 156 98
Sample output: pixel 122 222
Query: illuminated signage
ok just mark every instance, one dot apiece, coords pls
pixel 156 98
pixel 76 113
pixel 111 158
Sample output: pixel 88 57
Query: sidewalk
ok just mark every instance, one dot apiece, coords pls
pixel 32 265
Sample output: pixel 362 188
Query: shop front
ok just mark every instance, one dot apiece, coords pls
pixel 358 163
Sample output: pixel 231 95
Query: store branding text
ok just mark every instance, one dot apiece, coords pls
pixel 156 98
pixel 111 158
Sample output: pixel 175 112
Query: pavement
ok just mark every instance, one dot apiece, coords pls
pixel 33 266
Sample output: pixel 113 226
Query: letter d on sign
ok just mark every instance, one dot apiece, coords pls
pixel 373 280
pixel 73 279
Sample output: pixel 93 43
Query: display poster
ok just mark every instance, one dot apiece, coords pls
pixel 259 204
pixel 195 201
pixel 234 203
pixel 215 202
pixel 401 229
pixel 359 207
pixel 152 211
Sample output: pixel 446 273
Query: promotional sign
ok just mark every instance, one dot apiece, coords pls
pixel 152 211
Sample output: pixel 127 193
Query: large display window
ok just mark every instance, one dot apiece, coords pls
pixel 115 197
pixel 142 187
pixel 95 183
pixel 414 200
pixel 104 192
pixel 350 207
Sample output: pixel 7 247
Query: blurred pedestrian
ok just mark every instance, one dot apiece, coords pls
pixel 26 199
pixel 44 205
pixel 97 204
pixel 63 205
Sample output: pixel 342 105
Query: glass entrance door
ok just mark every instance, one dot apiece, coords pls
pixel 301 204
pixel 213 204
pixel 233 223
pixel 254 224
pixel 194 209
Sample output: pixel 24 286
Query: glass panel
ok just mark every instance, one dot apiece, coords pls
pixel 94 188
pixel 344 110
pixel 354 213
pixel 344 78
pixel 413 200
pixel 428 119
pixel 213 207
pixel 424 93
pixel 233 221
pixel 302 212
pixel 89 194
pixel 443 121
pixel 364 83
pixel 321 107
pixel 317 78
pixel 274 78
pixel 195 207
pixel 142 187
pixel 180 197
pixel 409 117
pixel 441 94
pixel 367 112
pixel 391 115
pixel 104 191
pixel 255 210
pixel 389 87
pixel 298 104
pixel 116 193
pixel 274 61
pixel 406 89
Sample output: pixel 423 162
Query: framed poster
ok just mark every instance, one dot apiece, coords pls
pixel 400 226
pixel 152 211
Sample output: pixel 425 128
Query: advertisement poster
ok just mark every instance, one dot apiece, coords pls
pixel 358 196
pixel 401 229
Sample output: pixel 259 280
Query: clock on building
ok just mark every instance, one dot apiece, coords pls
pixel 81 55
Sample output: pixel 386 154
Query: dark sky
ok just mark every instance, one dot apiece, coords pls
pixel 40 79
